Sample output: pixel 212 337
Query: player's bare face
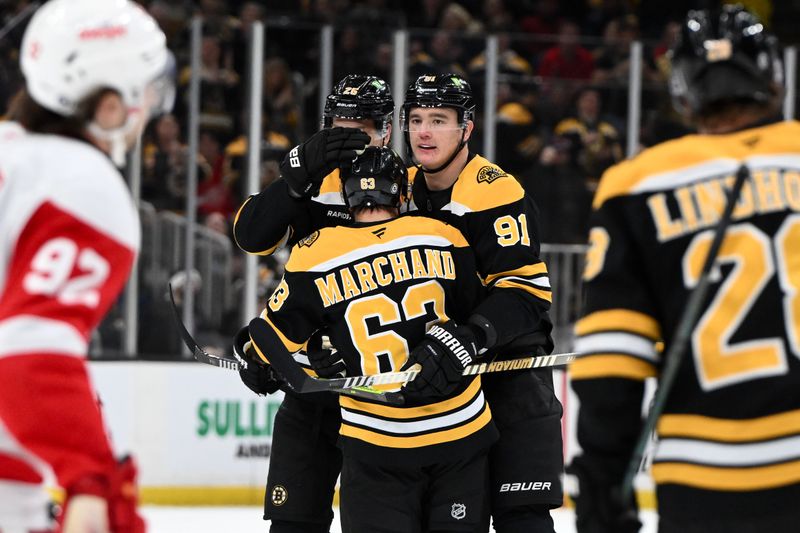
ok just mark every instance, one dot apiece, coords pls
pixel 434 134
pixel 368 127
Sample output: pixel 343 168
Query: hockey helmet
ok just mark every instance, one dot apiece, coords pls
pixel 72 48
pixel 359 97
pixel 725 55
pixel 440 90
pixel 377 177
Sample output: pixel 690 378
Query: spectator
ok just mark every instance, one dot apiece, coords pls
pixel 213 192
pixel 164 165
pixel 280 99
pixel 542 25
pixel 568 59
pixel 218 88
pixel 518 126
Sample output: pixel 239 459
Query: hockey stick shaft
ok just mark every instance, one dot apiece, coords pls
pixel 683 333
pixel 17 19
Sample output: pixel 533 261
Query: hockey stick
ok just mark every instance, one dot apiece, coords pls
pixel 17 19
pixel 683 332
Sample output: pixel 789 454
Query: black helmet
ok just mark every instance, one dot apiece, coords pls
pixel 360 97
pixel 724 56
pixel 440 90
pixel 377 177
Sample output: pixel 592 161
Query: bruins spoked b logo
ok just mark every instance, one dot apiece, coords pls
pixel 488 174
pixel 279 495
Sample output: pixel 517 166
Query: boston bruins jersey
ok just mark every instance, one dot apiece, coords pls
pixel 732 421
pixel 272 218
pixel 376 289
pixel 500 223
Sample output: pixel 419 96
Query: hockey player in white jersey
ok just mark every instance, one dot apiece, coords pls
pixel 69 234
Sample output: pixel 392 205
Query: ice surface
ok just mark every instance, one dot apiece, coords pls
pixel 248 520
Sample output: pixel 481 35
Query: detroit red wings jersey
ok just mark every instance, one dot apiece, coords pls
pixel 376 289
pixel 69 234
pixel 732 422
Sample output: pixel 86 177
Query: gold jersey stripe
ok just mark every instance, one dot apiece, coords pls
pixel 726 430
pixel 723 478
pixel 619 320
pixel 611 366
pixel 539 293
pixel 526 271
pixel 290 346
pixel 268 251
pixel 417 441
pixel 691 150
pixel 331 183
pixel 338 241
pixel 403 413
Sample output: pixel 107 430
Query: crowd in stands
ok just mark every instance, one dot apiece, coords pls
pixel 562 96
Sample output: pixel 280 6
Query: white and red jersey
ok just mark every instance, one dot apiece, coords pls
pixel 69 233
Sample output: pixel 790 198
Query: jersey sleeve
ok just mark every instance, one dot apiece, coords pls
pixel 291 314
pixel 617 338
pixel 505 240
pixel 270 219
pixel 63 275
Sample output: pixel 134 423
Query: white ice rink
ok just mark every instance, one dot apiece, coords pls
pixel 248 520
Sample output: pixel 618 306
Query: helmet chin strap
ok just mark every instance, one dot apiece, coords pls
pixel 117 138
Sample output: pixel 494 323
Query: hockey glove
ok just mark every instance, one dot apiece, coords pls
pixel 326 361
pixel 307 164
pixel 598 505
pixel 444 353
pixel 257 375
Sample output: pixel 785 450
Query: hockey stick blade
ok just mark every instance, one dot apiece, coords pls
pixel 199 354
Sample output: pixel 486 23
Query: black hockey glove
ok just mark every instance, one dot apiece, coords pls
pixel 598 504
pixel 257 375
pixel 307 164
pixel 444 353
pixel 326 361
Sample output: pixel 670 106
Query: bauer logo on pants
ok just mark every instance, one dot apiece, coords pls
pixel 458 511
pixel 279 495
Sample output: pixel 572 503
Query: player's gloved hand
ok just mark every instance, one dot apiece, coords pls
pixel 257 375
pixel 598 505
pixel 124 498
pixel 444 353
pixel 307 164
pixel 326 361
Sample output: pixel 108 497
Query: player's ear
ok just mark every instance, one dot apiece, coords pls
pixel 468 130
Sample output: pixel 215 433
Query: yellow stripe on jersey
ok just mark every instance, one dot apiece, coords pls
pixel 268 251
pixel 619 320
pixel 611 366
pixel 539 293
pixel 526 271
pixel 694 150
pixel 290 346
pixel 729 430
pixel 417 441
pixel 331 183
pixel 400 413
pixel 340 241
pixel 729 479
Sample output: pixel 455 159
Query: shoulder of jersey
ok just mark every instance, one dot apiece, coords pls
pixel 330 191
pixel 696 152
pixel 341 244
pixel 483 185
pixel 79 179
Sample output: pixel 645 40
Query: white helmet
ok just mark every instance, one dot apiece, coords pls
pixel 73 47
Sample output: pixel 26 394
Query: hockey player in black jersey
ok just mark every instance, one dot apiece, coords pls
pixel 727 458
pixel 499 221
pixel 305 461
pixel 377 287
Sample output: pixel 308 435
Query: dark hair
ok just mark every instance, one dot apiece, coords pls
pixel 38 119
